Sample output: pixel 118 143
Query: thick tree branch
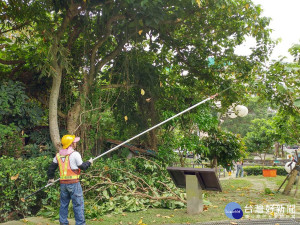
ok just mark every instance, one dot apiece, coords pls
pixel 112 86
pixel 71 13
pixel 11 62
pixel 17 27
pixel 111 56
pixel 73 36
pixel 107 33
pixel 3 46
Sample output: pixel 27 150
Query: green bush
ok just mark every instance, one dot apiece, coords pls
pixel 17 108
pixel 10 141
pixel 39 143
pixel 110 186
pixel 258 170
pixel 18 113
pixel 18 178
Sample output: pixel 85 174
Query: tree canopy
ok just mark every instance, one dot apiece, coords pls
pixel 75 42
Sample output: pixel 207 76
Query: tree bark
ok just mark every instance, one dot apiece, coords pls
pixel 73 116
pixel 56 81
pixel 215 164
pixel 53 120
pixel 74 112
pixel 277 145
pixel 291 181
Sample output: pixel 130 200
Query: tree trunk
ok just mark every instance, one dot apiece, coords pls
pixel 264 160
pixel 261 158
pixel 53 120
pixel 73 117
pixel 291 181
pixel 215 164
pixel 56 81
pixel 277 149
pixel 182 161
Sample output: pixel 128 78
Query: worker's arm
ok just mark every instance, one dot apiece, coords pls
pixel 51 170
pixel 85 165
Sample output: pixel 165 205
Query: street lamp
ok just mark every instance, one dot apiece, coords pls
pixel 236 111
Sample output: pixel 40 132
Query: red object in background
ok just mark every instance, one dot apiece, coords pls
pixel 269 172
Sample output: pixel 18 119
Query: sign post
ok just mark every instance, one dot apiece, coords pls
pixel 194 180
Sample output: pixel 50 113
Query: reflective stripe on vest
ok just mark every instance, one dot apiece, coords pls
pixel 66 173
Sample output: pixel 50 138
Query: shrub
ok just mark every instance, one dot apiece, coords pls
pixel 257 170
pixel 10 140
pixel 18 178
pixel 17 108
pixel 17 113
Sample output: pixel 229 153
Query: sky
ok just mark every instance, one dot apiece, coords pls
pixel 285 18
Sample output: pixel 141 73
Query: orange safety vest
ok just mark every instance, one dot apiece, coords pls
pixel 66 173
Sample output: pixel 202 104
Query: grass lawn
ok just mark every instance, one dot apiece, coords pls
pixel 248 192
pixel 245 191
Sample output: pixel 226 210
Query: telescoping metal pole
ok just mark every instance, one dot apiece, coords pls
pixel 130 139
pixel 28 196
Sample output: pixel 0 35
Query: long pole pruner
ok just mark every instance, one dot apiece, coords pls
pixel 130 139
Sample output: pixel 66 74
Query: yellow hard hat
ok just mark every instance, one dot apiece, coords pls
pixel 67 140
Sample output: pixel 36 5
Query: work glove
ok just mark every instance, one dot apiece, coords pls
pixel 50 181
pixel 91 161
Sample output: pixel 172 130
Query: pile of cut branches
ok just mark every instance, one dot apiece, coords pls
pixel 129 185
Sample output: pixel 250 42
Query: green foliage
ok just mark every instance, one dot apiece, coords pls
pixel 281 86
pixel 17 108
pixel 182 134
pixel 261 136
pixel 268 191
pixel 129 185
pixel 17 112
pixel 257 170
pixel 39 143
pixel 287 127
pixel 80 37
pixel 110 186
pixel 19 178
pixel 10 140
pixel 165 153
pixel 258 109
pixel 297 103
pixel 226 147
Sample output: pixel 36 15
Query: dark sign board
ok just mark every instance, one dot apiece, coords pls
pixel 207 178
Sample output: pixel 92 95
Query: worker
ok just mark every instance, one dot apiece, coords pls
pixel 70 163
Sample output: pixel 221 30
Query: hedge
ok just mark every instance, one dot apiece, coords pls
pixel 258 170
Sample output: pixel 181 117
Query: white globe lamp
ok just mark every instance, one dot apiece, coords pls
pixel 289 166
pixel 241 110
